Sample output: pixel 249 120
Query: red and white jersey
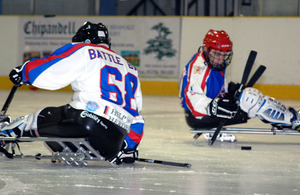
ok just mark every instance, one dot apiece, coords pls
pixel 200 84
pixel 103 81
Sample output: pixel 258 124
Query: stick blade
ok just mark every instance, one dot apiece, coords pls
pixel 187 165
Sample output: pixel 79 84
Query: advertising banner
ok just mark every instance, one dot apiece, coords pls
pixel 149 43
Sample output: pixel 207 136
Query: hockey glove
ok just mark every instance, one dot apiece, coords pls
pixel 16 75
pixel 125 156
pixel 222 108
pixel 233 89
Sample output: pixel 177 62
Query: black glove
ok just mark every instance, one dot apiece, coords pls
pixel 15 75
pixel 223 108
pixel 125 156
pixel 233 89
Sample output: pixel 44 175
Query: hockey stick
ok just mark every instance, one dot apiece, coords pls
pixel 3 116
pixel 246 73
pixel 217 131
pixel 9 99
pixel 164 162
pixel 187 165
pixel 248 67
pixel 261 69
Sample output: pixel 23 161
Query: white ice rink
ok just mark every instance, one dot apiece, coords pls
pixel 271 167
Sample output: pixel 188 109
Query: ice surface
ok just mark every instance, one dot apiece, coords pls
pixel 271 167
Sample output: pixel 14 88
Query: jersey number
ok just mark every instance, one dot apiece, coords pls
pixel 124 91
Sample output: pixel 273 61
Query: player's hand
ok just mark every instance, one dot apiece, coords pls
pixel 16 75
pixel 233 89
pixel 125 156
pixel 223 108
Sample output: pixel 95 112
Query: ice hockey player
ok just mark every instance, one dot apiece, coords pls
pixel 207 97
pixel 107 98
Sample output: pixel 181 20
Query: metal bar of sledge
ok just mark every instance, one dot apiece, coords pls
pixel 249 131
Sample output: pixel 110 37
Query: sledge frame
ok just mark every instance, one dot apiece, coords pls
pixel 238 130
pixel 77 155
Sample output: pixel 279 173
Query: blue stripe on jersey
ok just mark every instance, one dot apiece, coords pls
pixel 138 128
pixel 214 83
pixel 185 82
pixel 46 62
pixel 63 49
pixel 34 73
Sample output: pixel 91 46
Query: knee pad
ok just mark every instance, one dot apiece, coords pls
pixel 250 101
pixel 253 102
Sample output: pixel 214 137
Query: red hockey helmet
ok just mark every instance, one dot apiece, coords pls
pixel 217 49
pixel 218 40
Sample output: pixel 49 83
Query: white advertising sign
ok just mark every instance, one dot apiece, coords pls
pixel 149 43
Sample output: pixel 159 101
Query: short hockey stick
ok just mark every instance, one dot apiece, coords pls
pixel 248 67
pixel 246 73
pixel 217 131
pixel 9 99
pixel 187 165
pixel 164 162
pixel 261 69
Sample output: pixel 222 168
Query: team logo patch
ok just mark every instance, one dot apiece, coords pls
pixel 91 106
pixel 198 69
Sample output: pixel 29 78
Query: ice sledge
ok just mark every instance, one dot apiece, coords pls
pixel 237 130
pixel 71 151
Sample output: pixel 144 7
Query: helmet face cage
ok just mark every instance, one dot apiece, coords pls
pixel 218 49
pixel 92 33
pixel 219 60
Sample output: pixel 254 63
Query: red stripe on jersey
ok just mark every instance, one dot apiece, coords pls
pixel 104 48
pixel 223 88
pixel 35 63
pixel 135 136
pixel 203 84
pixel 188 102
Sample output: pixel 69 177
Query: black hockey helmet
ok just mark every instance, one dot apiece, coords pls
pixel 92 33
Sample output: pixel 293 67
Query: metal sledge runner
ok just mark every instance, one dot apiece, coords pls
pixel 236 130
pixel 71 151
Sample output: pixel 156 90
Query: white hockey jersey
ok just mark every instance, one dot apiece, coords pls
pixel 103 82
